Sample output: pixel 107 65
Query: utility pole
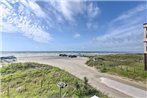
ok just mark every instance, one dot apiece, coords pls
pixel 145 46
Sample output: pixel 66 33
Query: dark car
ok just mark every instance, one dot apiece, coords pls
pixel 72 56
pixel 13 58
pixel 64 55
pixel 3 58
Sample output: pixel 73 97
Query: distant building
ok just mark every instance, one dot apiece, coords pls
pixel 145 46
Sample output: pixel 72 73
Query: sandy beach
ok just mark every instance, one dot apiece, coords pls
pixel 77 67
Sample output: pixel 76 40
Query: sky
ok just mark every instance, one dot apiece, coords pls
pixel 72 25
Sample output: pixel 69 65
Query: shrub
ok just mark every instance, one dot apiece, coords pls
pixel 20 89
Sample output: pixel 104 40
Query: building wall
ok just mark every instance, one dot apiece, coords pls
pixel 145 46
pixel 145 38
pixel 145 61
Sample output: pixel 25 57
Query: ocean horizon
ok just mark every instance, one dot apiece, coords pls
pixel 56 53
pixel 70 52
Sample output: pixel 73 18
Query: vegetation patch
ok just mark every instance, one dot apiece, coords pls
pixel 33 80
pixel 126 65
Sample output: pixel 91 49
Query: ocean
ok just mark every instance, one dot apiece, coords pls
pixel 56 53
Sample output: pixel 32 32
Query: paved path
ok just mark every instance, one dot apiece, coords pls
pixel 77 67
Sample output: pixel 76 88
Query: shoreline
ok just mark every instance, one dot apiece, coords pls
pixel 38 54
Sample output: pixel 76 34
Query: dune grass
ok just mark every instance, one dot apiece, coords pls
pixel 126 65
pixel 32 80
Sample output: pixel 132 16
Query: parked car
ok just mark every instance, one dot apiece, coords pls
pixel 64 55
pixel 8 58
pixel 72 56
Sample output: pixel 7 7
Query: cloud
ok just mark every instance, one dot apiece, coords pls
pixel 91 25
pixel 125 31
pixel 36 8
pixel 92 13
pixel 77 35
pixel 67 8
pixel 36 19
pixel 92 10
pixel 24 17
pixel 4 28
pixel 130 13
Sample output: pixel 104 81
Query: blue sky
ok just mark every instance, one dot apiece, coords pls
pixel 72 25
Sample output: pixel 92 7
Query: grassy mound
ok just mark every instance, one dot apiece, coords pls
pixel 127 65
pixel 32 80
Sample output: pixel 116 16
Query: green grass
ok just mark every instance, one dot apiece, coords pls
pixel 32 80
pixel 126 65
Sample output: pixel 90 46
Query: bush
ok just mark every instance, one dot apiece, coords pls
pixel 127 65
pixel 20 89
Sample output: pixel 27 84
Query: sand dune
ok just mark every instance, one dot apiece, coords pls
pixel 77 67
